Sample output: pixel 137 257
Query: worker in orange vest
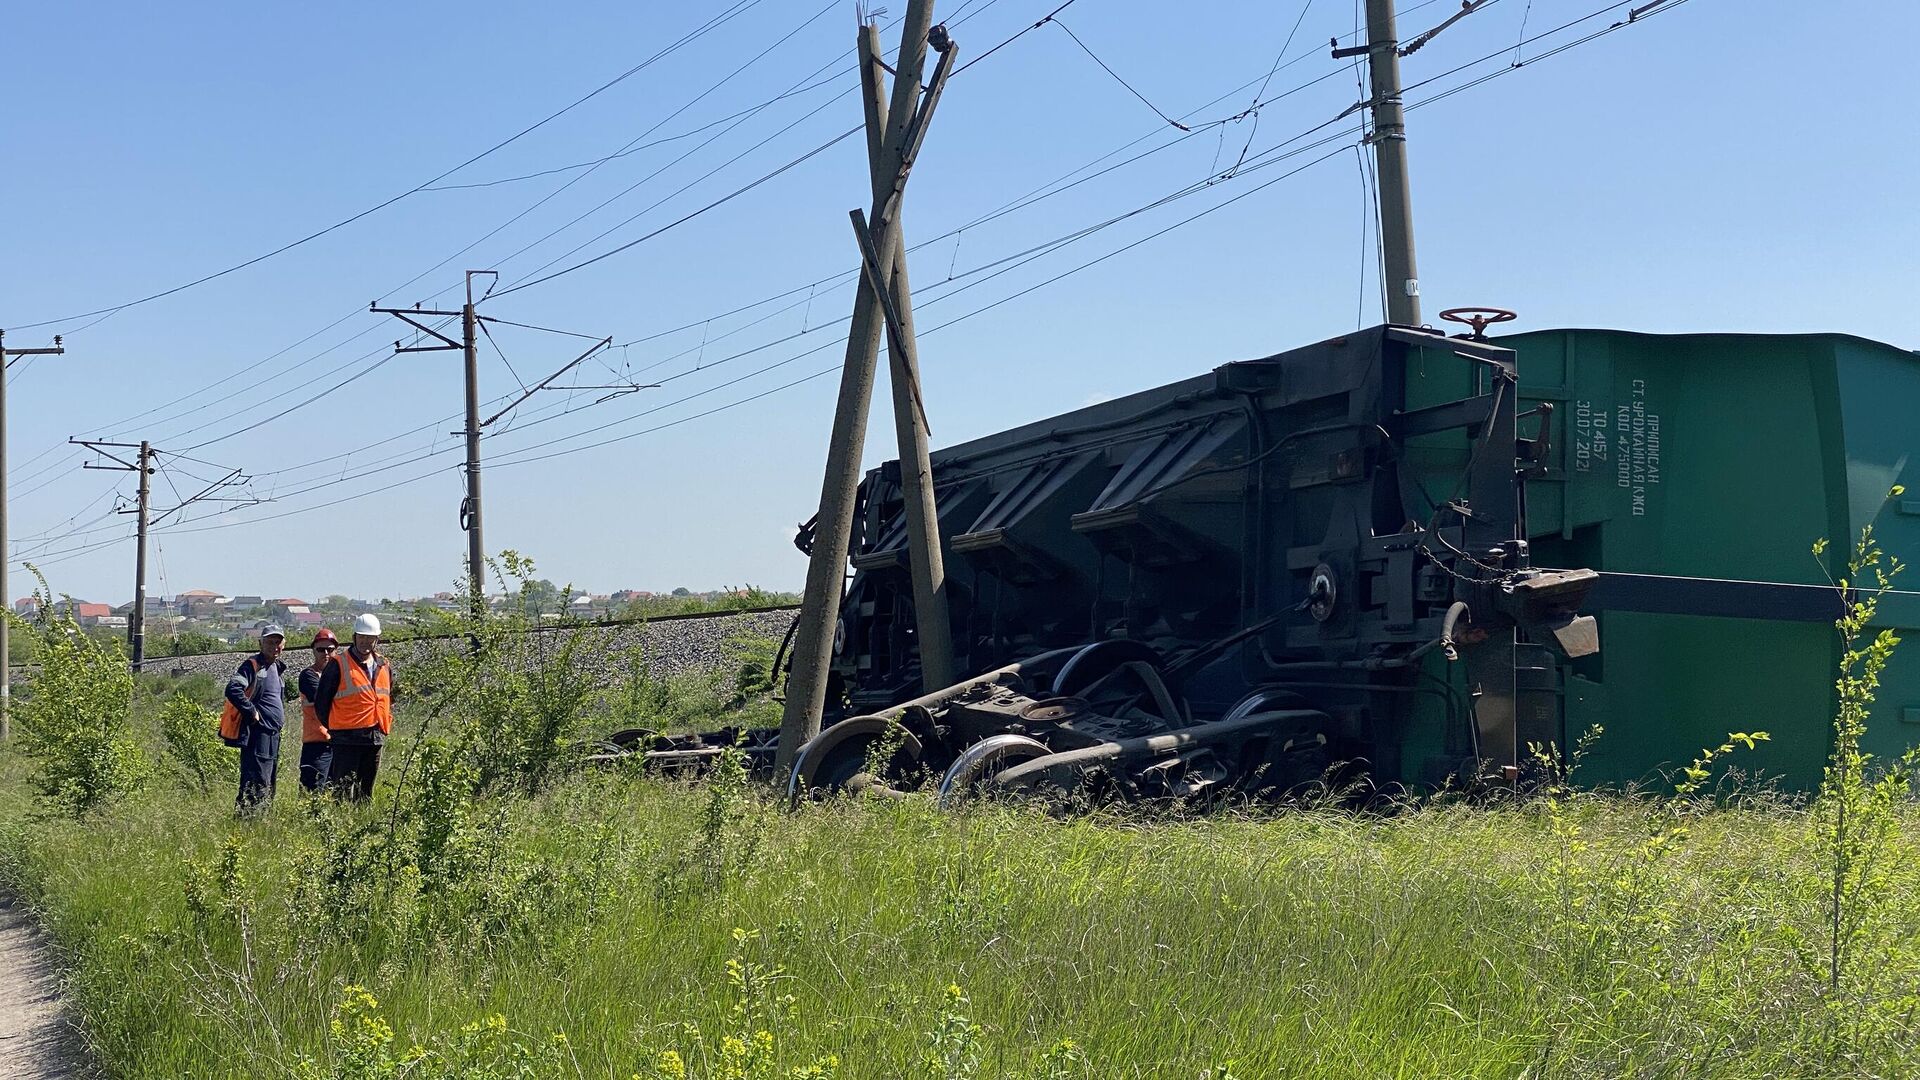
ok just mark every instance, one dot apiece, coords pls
pixel 355 703
pixel 316 747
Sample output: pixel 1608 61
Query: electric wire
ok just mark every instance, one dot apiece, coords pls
pixel 962 18
pixel 529 459
pixel 517 217
pixel 711 24
pixel 294 408
pixel 522 452
pixel 722 201
pixel 218 384
pixel 547 329
pixel 528 283
pixel 630 150
pixel 1061 23
pixel 1034 252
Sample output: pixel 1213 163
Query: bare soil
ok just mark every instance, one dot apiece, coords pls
pixel 37 1041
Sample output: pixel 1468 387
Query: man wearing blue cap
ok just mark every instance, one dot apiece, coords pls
pixel 257 690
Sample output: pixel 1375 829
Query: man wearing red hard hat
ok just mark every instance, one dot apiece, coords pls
pixel 316 743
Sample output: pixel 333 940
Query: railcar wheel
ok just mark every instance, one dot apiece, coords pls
pixel 1090 664
pixel 983 760
pixel 633 738
pixel 839 753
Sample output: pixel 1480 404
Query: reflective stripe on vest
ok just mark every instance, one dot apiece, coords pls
pixel 361 702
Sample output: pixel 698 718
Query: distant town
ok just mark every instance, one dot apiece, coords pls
pixel 198 619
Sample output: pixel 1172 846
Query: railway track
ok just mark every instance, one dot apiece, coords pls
pixel 673 644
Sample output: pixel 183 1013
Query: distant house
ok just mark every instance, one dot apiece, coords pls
pixel 26 605
pixel 248 603
pixel 91 614
pixel 311 619
pixel 111 622
pixel 155 606
pixel 198 603
pixel 288 605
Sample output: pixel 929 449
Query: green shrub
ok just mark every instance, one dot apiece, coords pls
pixel 73 717
pixel 514 701
pixel 192 735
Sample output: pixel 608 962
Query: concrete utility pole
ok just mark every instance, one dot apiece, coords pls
pixel 1390 156
pixel 142 464
pixel 470 513
pixel 6 563
pixel 894 132
pixel 468 346
pixel 137 621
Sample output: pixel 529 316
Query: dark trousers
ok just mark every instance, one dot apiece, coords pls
pixel 316 762
pixel 259 761
pixel 355 766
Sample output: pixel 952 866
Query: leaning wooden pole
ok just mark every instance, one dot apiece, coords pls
pixel 890 126
pixel 933 626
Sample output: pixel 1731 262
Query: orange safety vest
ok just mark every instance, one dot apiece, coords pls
pixel 310 728
pixel 361 702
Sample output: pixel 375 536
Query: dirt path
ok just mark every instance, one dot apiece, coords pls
pixel 35 1041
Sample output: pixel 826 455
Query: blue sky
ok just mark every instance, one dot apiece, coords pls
pixel 1726 165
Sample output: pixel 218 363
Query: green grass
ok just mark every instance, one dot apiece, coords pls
pixel 1449 942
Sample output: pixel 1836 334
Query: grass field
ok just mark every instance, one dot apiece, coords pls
pixel 1549 940
pixel 497 913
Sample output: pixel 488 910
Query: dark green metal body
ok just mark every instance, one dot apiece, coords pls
pixel 1724 456
pixel 1677 466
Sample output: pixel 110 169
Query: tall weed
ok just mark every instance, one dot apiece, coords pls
pixel 73 716
pixel 1870 961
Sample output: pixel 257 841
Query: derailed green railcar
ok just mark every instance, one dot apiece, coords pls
pixel 1390 549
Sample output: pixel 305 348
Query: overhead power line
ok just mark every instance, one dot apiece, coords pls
pixel 1116 76
pixel 1056 187
pixel 523 452
pixel 682 220
pixel 700 31
pixel 963 15
pixel 251 371
pixel 360 476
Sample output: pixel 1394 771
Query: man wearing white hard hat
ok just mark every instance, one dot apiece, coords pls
pixel 355 703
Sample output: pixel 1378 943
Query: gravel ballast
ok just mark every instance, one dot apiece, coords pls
pixel 672 647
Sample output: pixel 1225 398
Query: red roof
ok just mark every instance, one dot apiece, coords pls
pixel 91 611
pixel 197 592
pixel 309 618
